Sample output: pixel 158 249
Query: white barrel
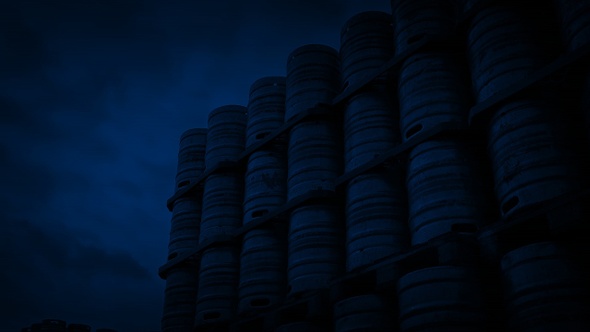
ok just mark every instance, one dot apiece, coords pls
pixel 370 126
pixel 184 228
pixel 218 284
pixel 376 218
pixel 222 205
pixel 180 299
pixel 313 76
pixel 265 187
pixel 575 22
pixel 266 108
pixel 432 90
pixel 191 156
pixel 416 19
pixel 263 270
pixel 314 157
pixel 226 136
pixel 545 289
pixel 441 299
pixel 503 47
pixel 445 189
pixel 315 247
pixel 532 155
pixel 369 312
pixel 366 43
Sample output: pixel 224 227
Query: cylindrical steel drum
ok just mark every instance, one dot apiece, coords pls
pixel 416 19
pixel 180 298
pixel 503 47
pixel 184 228
pixel 266 108
pixel 441 299
pixel 191 156
pixel 315 253
pixel 531 154
pixel 445 189
pixel 433 89
pixel 545 290
pixel 265 187
pixel 218 284
pixel 370 127
pixel 575 22
pixel 263 272
pixel 314 157
pixel 226 136
pixel 313 76
pixel 222 205
pixel 366 43
pixel 376 217
pixel 370 312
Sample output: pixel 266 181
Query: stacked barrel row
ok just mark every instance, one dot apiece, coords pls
pixel 458 182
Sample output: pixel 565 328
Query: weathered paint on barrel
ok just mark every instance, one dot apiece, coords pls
pixel 445 189
pixel 370 126
pixel 191 156
pixel 443 298
pixel 575 22
pixel 545 289
pixel 369 312
pixel 366 44
pixel 416 19
pixel 531 153
pixel 433 88
pixel 265 187
pixel 315 247
pixel 180 299
pixel 263 272
pixel 503 47
pixel 376 217
pixel 313 76
pixel 184 228
pixel 266 108
pixel 226 135
pixel 218 284
pixel 222 205
pixel 314 157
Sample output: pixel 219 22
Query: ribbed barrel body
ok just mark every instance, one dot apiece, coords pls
pixel 226 134
pixel 369 312
pixel 313 76
pixel 266 108
pixel 222 205
pixel 191 156
pixel 185 224
pixel 575 22
pixel 180 299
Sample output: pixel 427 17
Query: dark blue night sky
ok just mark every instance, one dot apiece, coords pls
pixel 93 98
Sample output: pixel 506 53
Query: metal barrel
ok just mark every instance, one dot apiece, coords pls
pixel 222 205
pixel 218 283
pixel 180 298
pixel 416 19
pixel 376 217
pixel 575 22
pixel 545 289
pixel 313 76
pixel 299 327
pixel 369 312
pixel 263 272
pixel 503 47
pixel 445 188
pixel 266 108
pixel 366 43
pixel 53 325
pixel 314 157
pixel 370 126
pixel 226 134
pixel 315 247
pixel 184 228
pixel 442 298
pixel 433 88
pixel 265 183
pixel 532 157
pixel 191 156
pixel 79 328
